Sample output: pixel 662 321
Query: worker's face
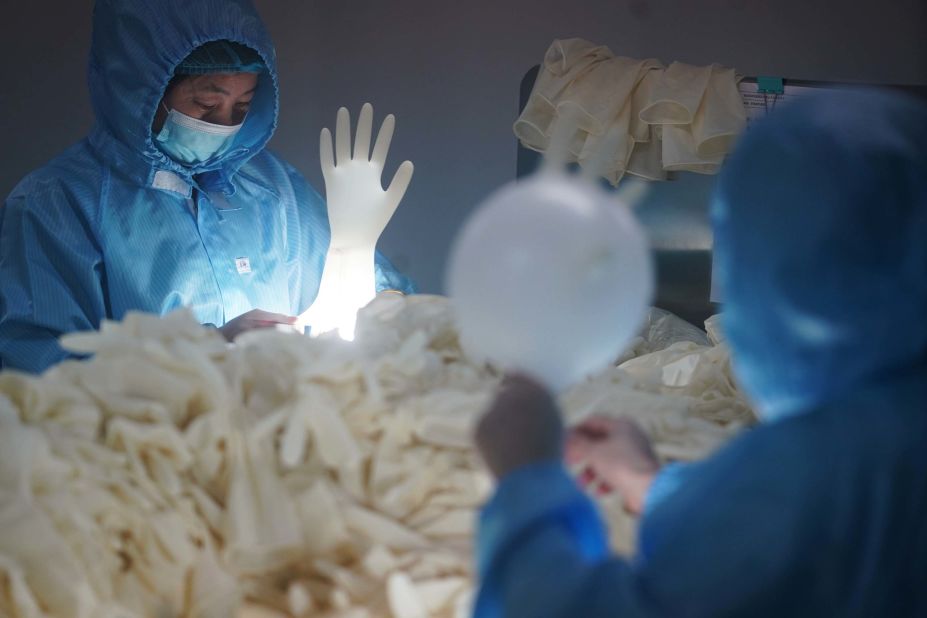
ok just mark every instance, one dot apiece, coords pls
pixel 219 98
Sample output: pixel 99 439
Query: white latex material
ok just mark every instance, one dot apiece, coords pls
pixel 677 94
pixel 640 130
pixel 358 212
pixel 702 113
pixel 607 155
pixel 680 152
pixel 646 160
pixel 713 328
pixel 156 477
pixel 605 89
pixel 551 276
pixel 721 118
pixel 680 118
pixel 565 61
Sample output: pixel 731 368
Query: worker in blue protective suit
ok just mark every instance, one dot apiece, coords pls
pixel 820 223
pixel 173 199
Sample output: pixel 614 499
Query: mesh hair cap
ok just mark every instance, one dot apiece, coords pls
pixel 221 57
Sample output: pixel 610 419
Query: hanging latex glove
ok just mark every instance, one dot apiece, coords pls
pixel 358 211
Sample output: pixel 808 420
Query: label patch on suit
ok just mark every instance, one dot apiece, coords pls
pixel 243 265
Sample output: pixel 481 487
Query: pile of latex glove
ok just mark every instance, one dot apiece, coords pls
pixel 174 475
pixel 664 119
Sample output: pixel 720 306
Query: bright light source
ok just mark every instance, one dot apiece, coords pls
pixel 348 283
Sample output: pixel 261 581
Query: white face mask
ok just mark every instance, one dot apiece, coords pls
pixel 192 141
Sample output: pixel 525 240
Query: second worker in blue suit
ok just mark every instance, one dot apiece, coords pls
pixel 820 221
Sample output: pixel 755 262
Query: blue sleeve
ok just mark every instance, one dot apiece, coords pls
pixel 542 551
pixel 667 481
pixel 733 540
pixel 50 276
pixel 308 237
pixel 389 278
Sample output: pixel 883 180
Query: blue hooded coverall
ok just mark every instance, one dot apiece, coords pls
pixel 113 224
pixel 820 225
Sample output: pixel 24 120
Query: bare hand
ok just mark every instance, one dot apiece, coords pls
pixel 254 319
pixel 522 427
pixel 616 455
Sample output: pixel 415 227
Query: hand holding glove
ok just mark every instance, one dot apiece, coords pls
pixel 358 211
pixel 252 320
pixel 522 427
pixel 617 455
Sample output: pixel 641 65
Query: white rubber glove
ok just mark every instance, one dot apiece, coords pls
pixel 358 211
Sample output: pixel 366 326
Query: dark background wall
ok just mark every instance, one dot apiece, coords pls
pixel 450 71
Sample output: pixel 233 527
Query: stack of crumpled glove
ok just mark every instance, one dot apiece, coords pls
pixel 173 475
pixel 664 119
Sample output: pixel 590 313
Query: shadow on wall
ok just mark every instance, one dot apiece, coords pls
pixel 43 94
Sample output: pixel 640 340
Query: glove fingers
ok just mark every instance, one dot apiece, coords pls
pixel 381 148
pixel 343 137
pixel 364 130
pixel 326 156
pixel 399 184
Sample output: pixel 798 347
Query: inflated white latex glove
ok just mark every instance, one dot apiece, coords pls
pixel 358 211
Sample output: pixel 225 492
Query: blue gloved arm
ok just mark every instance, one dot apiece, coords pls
pixel 50 276
pixel 389 278
pixel 732 540
pixel 542 551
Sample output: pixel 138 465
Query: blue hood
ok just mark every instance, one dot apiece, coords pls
pixel 821 235
pixel 135 47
